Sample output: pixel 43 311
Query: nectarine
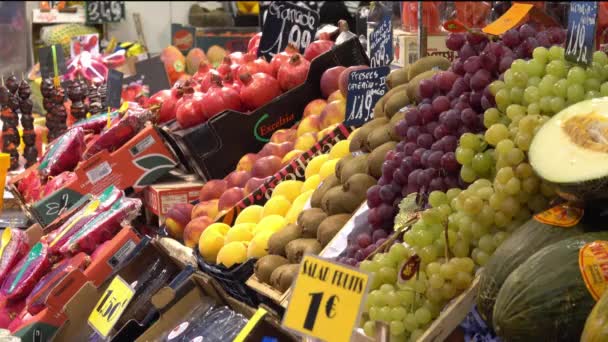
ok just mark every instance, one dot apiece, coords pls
pixel 314 107
pixel 177 218
pixel 266 166
pixel 213 189
pixel 246 162
pixel 283 135
pixel 230 197
pixel 206 208
pixel 308 124
pixel 334 113
pixel 194 229
pixel 237 178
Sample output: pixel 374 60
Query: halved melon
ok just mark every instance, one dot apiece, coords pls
pixel 571 150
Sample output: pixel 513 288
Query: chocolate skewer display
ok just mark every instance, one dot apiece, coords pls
pixel 10 120
pixel 95 105
pixel 56 115
pixel 30 152
pixel 77 95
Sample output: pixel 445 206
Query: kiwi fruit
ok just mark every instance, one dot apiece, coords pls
pixel 356 143
pixel 393 104
pixel 297 248
pixel 379 109
pixel 338 201
pixel 398 77
pixel 377 137
pixel 414 85
pixel 358 164
pixel 309 221
pixel 317 195
pixel 398 117
pixel 343 161
pixel 426 64
pixel 330 227
pixel 358 184
pixel 266 265
pixel 376 158
pixel 278 240
pixel 283 276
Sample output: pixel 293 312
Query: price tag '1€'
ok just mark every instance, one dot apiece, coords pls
pixel 326 301
pixel 580 39
pixel 110 306
pixel 365 88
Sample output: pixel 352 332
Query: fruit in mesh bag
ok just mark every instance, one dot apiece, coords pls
pixel 64 154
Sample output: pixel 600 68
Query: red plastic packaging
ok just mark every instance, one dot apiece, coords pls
pixel 35 301
pixel 56 183
pixel 15 250
pixel 26 273
pixel 30 187
pixel 57 238
pixel 96 123
pixel 120 133
pixel 10 312
pixel 102 228
pixel 64 154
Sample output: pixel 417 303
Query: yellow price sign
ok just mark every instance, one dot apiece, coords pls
pixel 110 306
pixel 508 20
pixel 326 300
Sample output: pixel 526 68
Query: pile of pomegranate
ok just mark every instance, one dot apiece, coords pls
pixel 241 82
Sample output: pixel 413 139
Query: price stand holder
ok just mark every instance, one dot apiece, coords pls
pixel 152 73
pixel 99 12
pixel 287 23
pixel 580 39
pixel 365 88
pixel 381 42
pixel 326 300
pixel 110 306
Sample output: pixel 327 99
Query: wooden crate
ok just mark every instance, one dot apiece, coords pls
pixel 267 291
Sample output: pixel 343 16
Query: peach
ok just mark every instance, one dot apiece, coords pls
pixel 206 208
pixel 194 229
pixel 329 80
pixel 336 95
pixel 291 156
pixel 334 113
pixel 213 189
pixel 343 79
pixel 306 141
pixel 310 123
pixel 237 178
pixel 266 166
pixel 178 217
pixel 325 131
pixel 230 198
pixel 314 107
pixel 283 135
pixel 254 183
pixel 276 149
pixel 246 162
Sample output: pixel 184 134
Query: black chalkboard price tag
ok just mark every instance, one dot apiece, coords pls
pixel 99 12
pixel 152 73
pixel 580 39
pixel 114 88
pixel 365 88
pixel 285 24
pixel 51 66
pixel 381 42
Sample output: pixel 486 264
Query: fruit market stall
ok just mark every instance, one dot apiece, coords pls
pixel 318 189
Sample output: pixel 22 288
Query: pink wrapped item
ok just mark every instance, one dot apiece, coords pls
pixel 64 153
pixel 26 273
pixel 15 249
pixel 9 312
pixel 102 228
pixel 96 123
pixel 60 236
pixel 120 132
pixel 56 183
pixel 30 187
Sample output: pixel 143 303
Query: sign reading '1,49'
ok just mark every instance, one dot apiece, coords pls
pixel 580 40
pixel 326 300
pixel 285 24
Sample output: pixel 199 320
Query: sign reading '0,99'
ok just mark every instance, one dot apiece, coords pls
pixel 286 24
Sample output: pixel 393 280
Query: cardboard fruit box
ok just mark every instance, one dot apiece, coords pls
pixel 170 190
pixel 138 163
pixel 212 149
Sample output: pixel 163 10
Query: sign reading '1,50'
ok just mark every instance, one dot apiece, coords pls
pixel 326 296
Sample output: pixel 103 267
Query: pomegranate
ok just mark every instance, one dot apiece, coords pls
pixel 230 81
pixel 329 80
pixel 293 73
pixel 258 89
pixel 280 58
pixel 219 98
pixel 318 47
pixel 225 67
pixel 343 80
pixel 255 66
pixel 165 99
pixel 240 58
pixel 206 81
pixel 254 43
pixel 188 110
pixel 203 69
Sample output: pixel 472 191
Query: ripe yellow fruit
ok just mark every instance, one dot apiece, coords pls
pixel 220 228
pixel 238 233
pixel 258 247
pixel 272 223
pixel 251 214
pixel 276 205
pixel 209 245
pixel 328 168
pixel 340 149
pixel 311 183
pixel 314 165
pixel 232 253
pixel 290 189
pixel 297 206
pixel 249 226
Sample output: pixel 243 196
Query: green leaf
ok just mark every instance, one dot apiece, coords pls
pixel 152 175
pixel 153 161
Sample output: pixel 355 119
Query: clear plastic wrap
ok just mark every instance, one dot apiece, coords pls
pixel 26 273
pixel 96 123
pixel 102 228
pixel 64 154
pixel 56 183
pixel 14 251
pixel 215 325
